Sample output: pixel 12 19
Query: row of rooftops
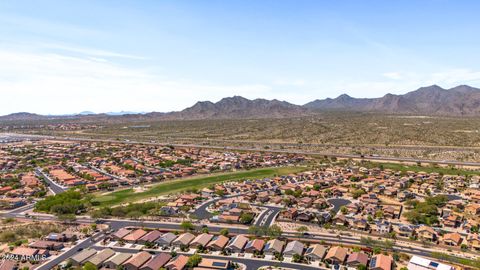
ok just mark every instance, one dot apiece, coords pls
pixel 108 258
pixel 241 243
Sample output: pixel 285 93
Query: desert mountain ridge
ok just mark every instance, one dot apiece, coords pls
pixel 462 100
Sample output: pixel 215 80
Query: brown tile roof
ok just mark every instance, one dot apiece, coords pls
pixel 337 253
pixel 24 251
pixel 454 237
pixel 157 262
pixel 382 262
pixel 121 233
pixel 358 257
pixel 151 236
pixel 178 263
pixel 220 241
pixel 138 259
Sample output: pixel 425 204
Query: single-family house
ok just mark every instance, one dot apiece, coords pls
pixel 166 239
pixel 137 260
pixel 237 243
pixel 201 240
pixel 315 252
pixel 293 247
pixel 178 263
pixel 356 259
pixel 381 262
pixel 218 243
pixel 157 262
pixel 273 247
pixel 336 255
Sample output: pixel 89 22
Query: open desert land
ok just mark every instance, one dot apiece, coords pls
pixel 423 137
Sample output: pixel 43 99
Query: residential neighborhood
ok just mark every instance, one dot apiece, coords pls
pixel 304 213
pixel 239 135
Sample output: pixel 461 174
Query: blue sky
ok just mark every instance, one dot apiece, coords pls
pixel 69 56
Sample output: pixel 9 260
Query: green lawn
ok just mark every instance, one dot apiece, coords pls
pixel 128 195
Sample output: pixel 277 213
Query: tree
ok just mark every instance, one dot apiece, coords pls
pixel 224 232
pixel 274 231
pixel 201 249
pixel 118 212
pixel 297 258
pixel 85 230
pixel 67 218
pixel 344 209
pixel 184 248
pixel 246 218
pixel 194 260
pixel 357 193
pixel 68 202
pixel 379 214
pixel 362 267
pixel 134 214
pixel 89 266
pixel 256 230
pixel 425 212
pixel 187 225
pixel 369 218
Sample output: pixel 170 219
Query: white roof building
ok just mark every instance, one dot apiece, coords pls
pixel 420 263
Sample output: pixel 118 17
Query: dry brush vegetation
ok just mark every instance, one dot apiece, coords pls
pixel 440 138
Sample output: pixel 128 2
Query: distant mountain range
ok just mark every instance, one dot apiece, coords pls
pixel 462 100
pixel 239 107
pixel 431 100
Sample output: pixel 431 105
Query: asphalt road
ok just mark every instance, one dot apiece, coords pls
pixel 251 264
pixel 338 203
pixel 349 240
pixel 265 218
pixel 16 213
pixel 117 224
pixel 72 251
pixel 56 188
pixel 201 211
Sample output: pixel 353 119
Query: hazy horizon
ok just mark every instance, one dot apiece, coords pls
pixel 61 58
pixel 214 101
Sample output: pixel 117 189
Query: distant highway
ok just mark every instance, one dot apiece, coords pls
pixel 376 146
pixel 283 151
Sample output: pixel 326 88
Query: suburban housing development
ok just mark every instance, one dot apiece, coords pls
pixel 239 135
pixel 145 206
